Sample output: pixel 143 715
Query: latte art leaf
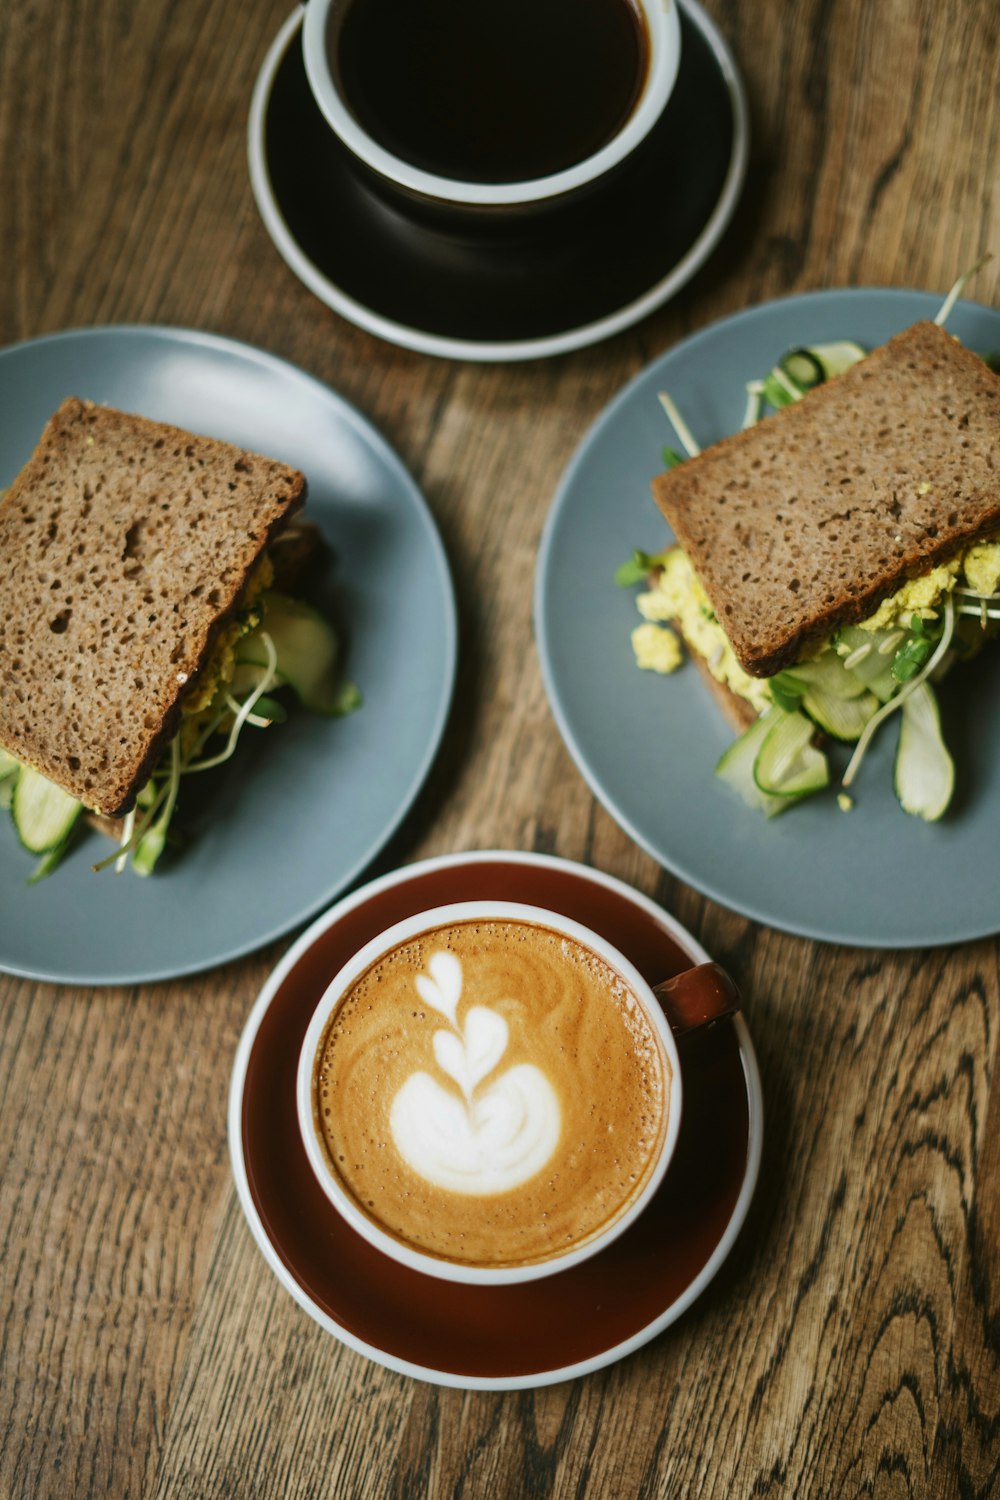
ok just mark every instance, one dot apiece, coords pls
pixel 468 1059
pixel 492 1146
pixel 482 1144
pixel 443 990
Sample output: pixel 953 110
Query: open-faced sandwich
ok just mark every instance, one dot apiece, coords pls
pixel 834 559
pixel 144 623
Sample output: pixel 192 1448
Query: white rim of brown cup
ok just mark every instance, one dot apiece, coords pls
pixel 663 27
pixel 442 916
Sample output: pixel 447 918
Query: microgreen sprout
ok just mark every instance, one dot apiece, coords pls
pixel 899 698
pixel 128 828
pixel 755 395
pixel 945 310
pixel 270 710
pixel 154 836
pixel 980 611
pixel 889 645
pixel 246 709
pixel 139 828
pixel 681 428
pixel 857 656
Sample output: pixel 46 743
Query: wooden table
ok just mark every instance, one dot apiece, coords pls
pixel 851 1345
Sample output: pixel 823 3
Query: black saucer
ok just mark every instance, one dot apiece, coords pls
pixel 524 288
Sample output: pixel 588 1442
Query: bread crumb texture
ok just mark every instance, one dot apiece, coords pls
pixel 808 520
pixel 124 545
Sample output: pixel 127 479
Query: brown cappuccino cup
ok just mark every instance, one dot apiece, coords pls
pixel 489 1092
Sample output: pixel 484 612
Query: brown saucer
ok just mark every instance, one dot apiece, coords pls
pixel 539 1331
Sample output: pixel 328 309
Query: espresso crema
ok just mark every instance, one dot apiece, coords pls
pixel 492 1093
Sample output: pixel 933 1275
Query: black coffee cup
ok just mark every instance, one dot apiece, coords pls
pixel 453 197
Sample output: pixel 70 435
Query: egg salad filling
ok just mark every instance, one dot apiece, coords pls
pixel 675 597
pixel 844 687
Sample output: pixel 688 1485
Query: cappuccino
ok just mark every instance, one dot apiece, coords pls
pixel 491 1093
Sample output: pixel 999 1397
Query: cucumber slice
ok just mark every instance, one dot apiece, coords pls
pixel 307 651
pixel 148 850
pixel 48 862
pixel 778 392
pixel 6 793
pixel 270 708
pixel 736 766
pixel 844 718
pixel 924 774
pixel 802 368
pixel 44 815
pixel 828 675
pixel 873 668
pixel 884 686
pixel 861 649
pixel 835 358
pixel 348 698
pixel 9 765
pixel 788 764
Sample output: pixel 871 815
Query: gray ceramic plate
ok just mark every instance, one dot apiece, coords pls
pixel 647 744
pixel 303 808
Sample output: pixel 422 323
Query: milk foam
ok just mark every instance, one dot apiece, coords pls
pixel 491 1093
pixel 489 1140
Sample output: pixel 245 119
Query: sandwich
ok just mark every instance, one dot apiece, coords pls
pixel 833 560
pixel 144 623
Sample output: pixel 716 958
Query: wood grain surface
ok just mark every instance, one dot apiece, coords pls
pixel 851 1346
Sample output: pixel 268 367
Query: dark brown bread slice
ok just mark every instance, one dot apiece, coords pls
pixel 124 545
pixel 813 517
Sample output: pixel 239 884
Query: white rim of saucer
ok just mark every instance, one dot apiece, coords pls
pixel 658 1325
pixel 413 926
pixel 663 30
pixel 499 351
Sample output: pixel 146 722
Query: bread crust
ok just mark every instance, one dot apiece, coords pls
pixel 810 519
pixel 738 712
pixel 125 547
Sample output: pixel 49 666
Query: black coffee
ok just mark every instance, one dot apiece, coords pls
pixel 484 92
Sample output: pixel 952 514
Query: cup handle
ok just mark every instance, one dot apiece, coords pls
pixel 697 997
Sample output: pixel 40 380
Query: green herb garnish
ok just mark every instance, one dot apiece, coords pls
pixel 637 569
pixel 912 655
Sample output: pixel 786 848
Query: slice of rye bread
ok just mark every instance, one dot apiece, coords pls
pixel 810 519
pixel 124 546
